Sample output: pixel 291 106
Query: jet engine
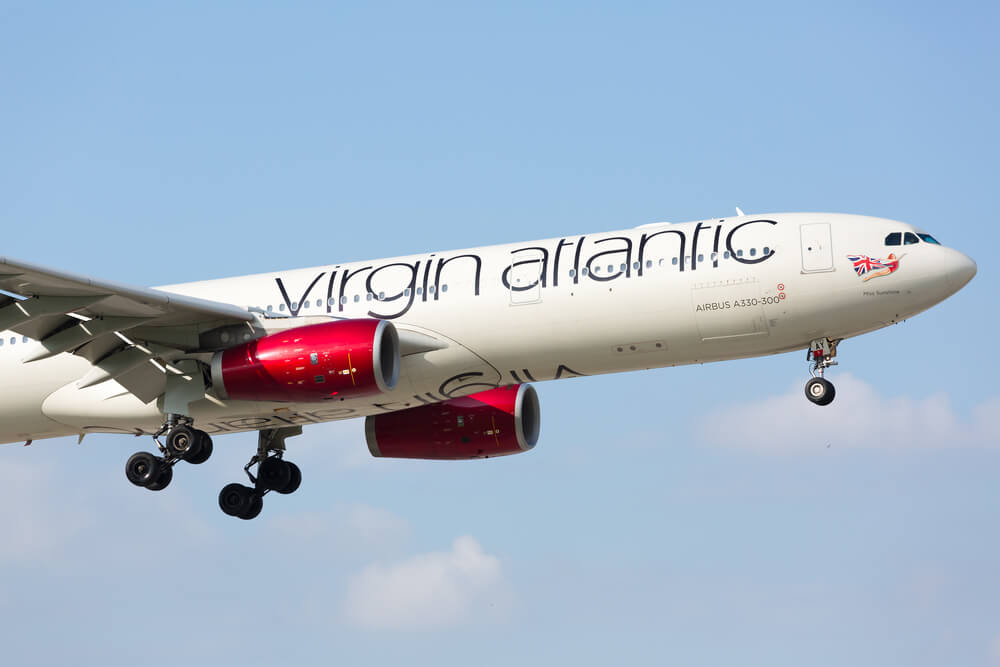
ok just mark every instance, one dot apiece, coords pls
pixel 343 358
pixel 489 423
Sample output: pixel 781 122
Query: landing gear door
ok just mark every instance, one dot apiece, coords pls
pixel 525 275
pixel 817 247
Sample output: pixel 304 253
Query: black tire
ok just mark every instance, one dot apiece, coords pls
pixel 274 474
pixel 256 505
pixel 204 449
pixel 820 391
pixel 234 499
pixel 164 478
pixel 294 482
pixel 183 441
pixel 142 468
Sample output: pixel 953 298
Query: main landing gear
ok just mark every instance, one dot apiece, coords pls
pixel 182 443
pixel 273 474
pixel 821 352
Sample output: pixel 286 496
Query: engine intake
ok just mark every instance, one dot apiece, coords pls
pixel 343 358
pixel 490 423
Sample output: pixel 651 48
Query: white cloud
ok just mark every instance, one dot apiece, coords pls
pixel 859 417
pixel 428 591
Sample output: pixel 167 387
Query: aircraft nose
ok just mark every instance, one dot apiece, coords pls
pixel 962 270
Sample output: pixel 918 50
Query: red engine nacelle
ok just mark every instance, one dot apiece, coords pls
pixel 490 423
pixel 312 363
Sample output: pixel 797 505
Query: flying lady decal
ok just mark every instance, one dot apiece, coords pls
pixel 869 267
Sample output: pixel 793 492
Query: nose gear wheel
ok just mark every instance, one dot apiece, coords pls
pixel 820 354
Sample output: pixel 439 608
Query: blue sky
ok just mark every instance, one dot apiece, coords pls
pixel 692 515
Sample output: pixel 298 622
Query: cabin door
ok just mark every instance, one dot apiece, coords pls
pixel 817 247
pixel 525 275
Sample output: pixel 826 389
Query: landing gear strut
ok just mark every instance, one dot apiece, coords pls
pixel 274 473
pixel 821 352
pixel 182 443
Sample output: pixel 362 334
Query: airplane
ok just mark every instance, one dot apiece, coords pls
pixel 437 351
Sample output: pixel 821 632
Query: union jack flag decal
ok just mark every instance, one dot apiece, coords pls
pixel 869 267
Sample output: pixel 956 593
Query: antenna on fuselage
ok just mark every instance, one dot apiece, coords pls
pixel 739 212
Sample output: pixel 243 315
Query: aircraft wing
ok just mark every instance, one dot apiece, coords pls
pixel 90 317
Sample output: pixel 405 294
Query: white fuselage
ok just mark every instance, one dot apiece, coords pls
pixel 658 295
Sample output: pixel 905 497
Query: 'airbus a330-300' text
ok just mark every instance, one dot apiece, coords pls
pixel 436 351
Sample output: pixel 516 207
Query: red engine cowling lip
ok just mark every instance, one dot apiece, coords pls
pixel 524 409
pixel 385 358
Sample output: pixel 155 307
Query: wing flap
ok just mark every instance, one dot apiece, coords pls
pixel 23 312
pixel 78 335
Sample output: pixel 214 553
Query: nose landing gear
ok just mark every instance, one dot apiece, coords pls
pixel 182 443
pixel 273 474
pixel 821 352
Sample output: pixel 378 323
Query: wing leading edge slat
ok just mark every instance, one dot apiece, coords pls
pixel 118 300
pixel 87 317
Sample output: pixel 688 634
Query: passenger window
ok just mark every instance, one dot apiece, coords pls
pixel 319 303
pixel 572 273
pixel 767 251
pixel 928 238
pixel 649 263
pixel 910 239
pixel 739 253
pixel 701 258
pixel 753 252
pixel 725 255
pixel 674 261
pixel 357 297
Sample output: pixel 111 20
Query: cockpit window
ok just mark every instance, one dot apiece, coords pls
pixel 929 239
pixel 910 239
pixel 894 239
